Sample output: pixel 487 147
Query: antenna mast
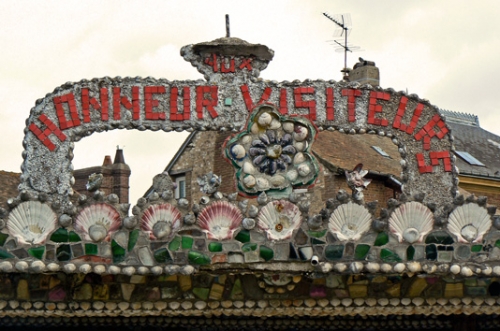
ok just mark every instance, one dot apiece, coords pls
pixel 344 22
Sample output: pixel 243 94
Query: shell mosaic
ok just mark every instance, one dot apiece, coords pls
pixel 273 154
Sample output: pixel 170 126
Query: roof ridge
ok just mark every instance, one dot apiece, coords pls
pixel 460 118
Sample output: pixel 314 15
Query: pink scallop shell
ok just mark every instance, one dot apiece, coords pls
pixel 220 220
pixel 164 212
pixel 99 213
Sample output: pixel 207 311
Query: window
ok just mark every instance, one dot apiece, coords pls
pixel 180 190
pixel 381 151
pixel 469 158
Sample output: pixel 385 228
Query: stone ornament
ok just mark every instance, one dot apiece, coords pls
pixel 278 219
pixel 161 221
pixel 469 223
pixel 411 221
pixel 97 222
pixel 273 154
pixel 220 220
pixel 349 221
pixel 31 222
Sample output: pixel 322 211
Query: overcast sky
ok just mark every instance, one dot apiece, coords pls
pixel 444 51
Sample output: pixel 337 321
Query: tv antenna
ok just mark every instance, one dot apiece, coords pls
pixel 343 22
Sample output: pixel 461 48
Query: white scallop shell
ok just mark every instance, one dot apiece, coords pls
pixel 469 222
pixel 31 222
pixel 349 221
pixel 220 220
pixel 279 219
pixel 96 222
pixel 161 221
pixel 411 222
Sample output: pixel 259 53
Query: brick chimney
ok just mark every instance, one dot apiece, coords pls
pixel 365 72
pixel 121 175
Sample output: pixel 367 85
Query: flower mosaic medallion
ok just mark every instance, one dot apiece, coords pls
pixel 273 154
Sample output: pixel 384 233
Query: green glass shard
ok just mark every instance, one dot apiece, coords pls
pixel 90 249
pixel 439 237
pixel 361 251
pixel 5 254
pixel 117 251
pixel 3 238
pixel 37 252
pixel 476 248
pixel 248 247
pixel 497 243
pixel 266 253
pixel 243 236
pixel 201 293
pixel 334 252
pixel 74 237
pixel 162 256
pixel 198 258
pixel 315 241
pixel 63 253
pixel 389 256
pixel 132 239
pixel 187 242
pixel 215 247
pixel 60 236
pixel 410 253
pixel 317 234
pixel 175 244
pixel 382 239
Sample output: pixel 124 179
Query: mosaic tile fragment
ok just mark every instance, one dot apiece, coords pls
pixel 215 247
pixel 382 239
pixel 389 256
pixel 334 252
pixel 266 253
pixel 198 258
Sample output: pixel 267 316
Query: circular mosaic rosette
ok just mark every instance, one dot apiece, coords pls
pixel 273 154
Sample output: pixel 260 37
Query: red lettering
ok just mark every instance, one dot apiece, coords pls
pixel 408 128
pixel 87 101
pixel 208 104
pixel 434 157
pixel 119 101
pixel 283 102
pixel 298 93
pixel 248 99
pixel 428 131
pixel 223 65
pixel 330 104
pixel 246 63
pixel 374 108
pixel 174 109
pixel 351 95
pixel 43 136
pixel 69 99
pixel 212 61
pixel 150 103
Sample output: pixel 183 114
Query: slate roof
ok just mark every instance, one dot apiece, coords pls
pixel 481 144
pixel 345 151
